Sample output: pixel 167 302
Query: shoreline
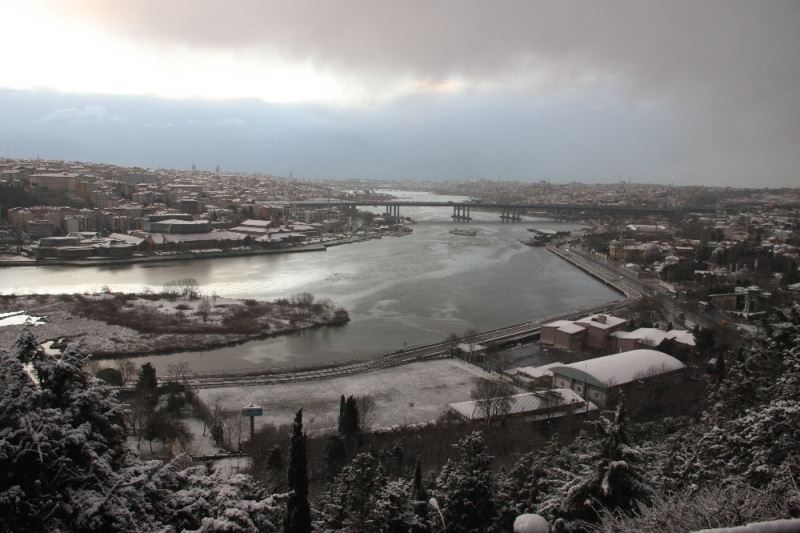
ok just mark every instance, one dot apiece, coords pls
pixel 111 326
pixel 247 337
pixel 301 248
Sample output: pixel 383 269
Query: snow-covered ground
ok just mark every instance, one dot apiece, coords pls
pixel 16 318
pixel 201 444
pixel 409 394
pixel 55 317
pixel 232 465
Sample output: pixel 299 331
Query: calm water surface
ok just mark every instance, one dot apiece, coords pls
pixel 399 291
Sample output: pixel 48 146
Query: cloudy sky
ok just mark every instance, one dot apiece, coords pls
pixel 695 92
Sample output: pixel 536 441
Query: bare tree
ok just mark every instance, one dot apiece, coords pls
pixel 469 339
pixel 179 371
pixel 492 398
pixel 303 299
pixel 233 427
pixel 186 287
pixel 127 370
pixel 366 411
pixel 452 342
pixel 204 309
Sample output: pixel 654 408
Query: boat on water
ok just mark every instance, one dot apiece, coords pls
pixel 535 241
pixel 464 231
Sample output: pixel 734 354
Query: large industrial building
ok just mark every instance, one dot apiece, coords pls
pixel 601 379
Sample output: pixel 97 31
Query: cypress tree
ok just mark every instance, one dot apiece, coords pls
pixel 418 491
pixel 298 511
pixel 349 423
pixel 341 415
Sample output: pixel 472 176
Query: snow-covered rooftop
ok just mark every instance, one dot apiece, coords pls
pixel 557 324
pixel 571 328
pixel 536 371
pixel 601 321
pixel 654 336
pixel 620 368
pixel 543 403
pixel 256 223
pixel 191 237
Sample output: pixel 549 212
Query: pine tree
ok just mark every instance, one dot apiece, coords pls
pixel 298 511
pixel 611 477
pixel 466 486
pixel 362 498
pixel 146 380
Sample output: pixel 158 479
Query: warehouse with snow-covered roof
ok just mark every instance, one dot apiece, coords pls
pixel 532 406
pixel 602 378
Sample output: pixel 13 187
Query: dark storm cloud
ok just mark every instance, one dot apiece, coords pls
pixel 748 48
pixel 726 71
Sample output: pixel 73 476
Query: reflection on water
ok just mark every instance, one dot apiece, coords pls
pixel 399 291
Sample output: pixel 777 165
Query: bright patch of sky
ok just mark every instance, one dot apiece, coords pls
pixel 64 54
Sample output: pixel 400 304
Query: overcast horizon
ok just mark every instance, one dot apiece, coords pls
pixel 690 93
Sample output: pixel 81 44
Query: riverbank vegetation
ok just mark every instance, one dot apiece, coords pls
pixel 178 318
pixel 737 461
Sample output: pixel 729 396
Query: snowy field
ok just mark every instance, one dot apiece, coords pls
pixel 408 394
pixel 201 444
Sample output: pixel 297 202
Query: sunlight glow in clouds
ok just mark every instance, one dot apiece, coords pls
pixel 72 54
pixel 64 55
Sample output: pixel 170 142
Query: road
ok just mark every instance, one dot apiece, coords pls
pixel 676 307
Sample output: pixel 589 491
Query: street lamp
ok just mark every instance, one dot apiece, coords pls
pixel 435 504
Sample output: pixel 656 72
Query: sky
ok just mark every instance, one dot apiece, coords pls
pixel 684 92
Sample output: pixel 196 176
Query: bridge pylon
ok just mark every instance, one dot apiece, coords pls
pixel 510 214
pixel 461 213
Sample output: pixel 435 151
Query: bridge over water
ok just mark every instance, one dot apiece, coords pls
pixel 509 211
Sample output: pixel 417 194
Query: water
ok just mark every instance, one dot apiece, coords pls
pixel 402 291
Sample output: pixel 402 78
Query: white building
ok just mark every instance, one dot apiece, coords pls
pixel 601 378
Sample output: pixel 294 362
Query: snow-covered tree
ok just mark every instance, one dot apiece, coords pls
pixel 298 511
pixel 64 464
pixel 610 477
pixel 362 498
pixel 751 433
pixel 61 442
pixel 466 486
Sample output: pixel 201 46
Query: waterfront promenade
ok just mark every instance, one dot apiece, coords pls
pixel 190 256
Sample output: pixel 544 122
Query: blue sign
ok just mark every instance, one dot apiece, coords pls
pixel 252 410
